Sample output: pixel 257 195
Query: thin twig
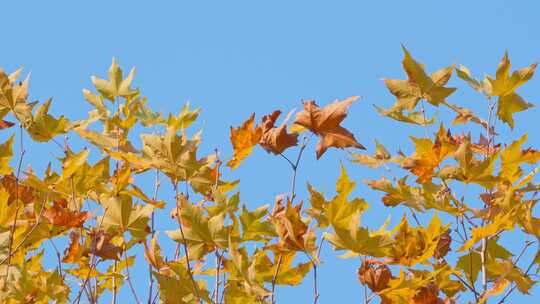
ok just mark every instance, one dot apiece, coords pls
pixel 470 287
pixel 315 287
pixel 12 231
pixel 274 279
pixel 484 245
pixel 58 257
pixel 218 268
pixel 29 233
pixel 128 277
pixel 153 233
pixel 365 285
pixel 425 124
pixel 114 287
pixel 184 242
pixel 93 264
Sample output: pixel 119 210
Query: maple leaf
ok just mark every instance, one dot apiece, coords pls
pixel 505 269
pixel 287 274
pixel 44 126
pixel 504 86
pixel 276 139
pixel 60 215
pixel 176 156
pixel 243 139
pixel 325 122
pixel 293 231
pixel 415 245
pixel 25 193
pixel 427 295
pixel 401 193
pixel 497 288
pixel 470 264
pixel 404 288
pixel 513 156
pixel 123 215
pixel 201 233
pixel 464 73
pixel 116 86
pixel 465 115
pixel 242 269
pixel 184 119
pixel 175 286
pixel 501 222
pixel 419 85
pixel 443 244
pixel 254 226
pixel 152 253
pixel 379 158
pixel 6 153
pixel 74 250
pixel 339 211
pixel 431 87
pixel 414 117
pixel 359 241
pixel 13 97
pixel 428 155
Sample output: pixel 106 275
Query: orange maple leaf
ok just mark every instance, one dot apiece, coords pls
pixel 243 139
pixel 60 215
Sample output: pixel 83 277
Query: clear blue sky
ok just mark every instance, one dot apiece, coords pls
pixel 232 58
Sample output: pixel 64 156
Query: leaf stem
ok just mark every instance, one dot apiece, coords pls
pixel 295 167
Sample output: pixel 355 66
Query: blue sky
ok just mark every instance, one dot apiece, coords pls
pixel 232 58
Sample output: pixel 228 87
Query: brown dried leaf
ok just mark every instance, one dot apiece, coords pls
pixel 276 139
pixel 374 274
pixel 60 215
pixel 428 295
pixel 4 124
pixel 443 244
pixel 102 247
pixel 25 194
pixel 294 233
pixel 72 253
pixel 325 122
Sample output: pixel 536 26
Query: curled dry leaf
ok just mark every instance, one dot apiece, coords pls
pixel 152 253
pixel 60 215
pixel 294 233
pixel 4 124
pixel 276 139
pixel 443 244
pixel 102 247
pixel 374 274
pixel 325 123
pixel 428 295
pixel 74 250
pixel 243 139
pixel 429 155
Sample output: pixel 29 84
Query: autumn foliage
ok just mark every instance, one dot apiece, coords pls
pixel 460 193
